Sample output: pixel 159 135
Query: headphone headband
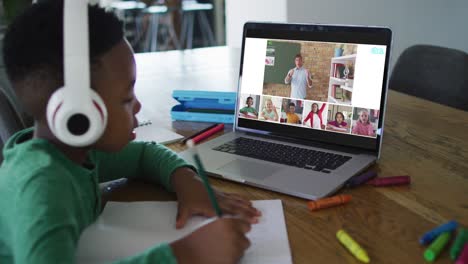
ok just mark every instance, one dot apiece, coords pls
pixel 76 114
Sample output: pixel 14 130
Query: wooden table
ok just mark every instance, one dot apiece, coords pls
pixel 422 139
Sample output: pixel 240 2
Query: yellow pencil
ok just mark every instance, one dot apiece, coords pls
pixel 352 246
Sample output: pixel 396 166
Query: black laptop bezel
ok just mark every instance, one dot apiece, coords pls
pixel 325 33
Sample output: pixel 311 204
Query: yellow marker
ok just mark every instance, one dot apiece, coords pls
pixel 352 246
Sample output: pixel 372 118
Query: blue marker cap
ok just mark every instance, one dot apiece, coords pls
pixel 429 236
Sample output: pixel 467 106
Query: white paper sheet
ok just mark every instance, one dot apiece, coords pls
pixel 151 132
pixel 126 229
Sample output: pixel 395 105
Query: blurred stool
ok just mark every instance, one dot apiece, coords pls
pixel 156 13
pixel 189 10
pixel 130 12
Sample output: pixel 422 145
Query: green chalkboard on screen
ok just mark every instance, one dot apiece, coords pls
pixel 279 60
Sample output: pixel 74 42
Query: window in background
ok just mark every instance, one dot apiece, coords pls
pixel 157 25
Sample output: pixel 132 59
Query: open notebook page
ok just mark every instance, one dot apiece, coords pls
pixel 152 132
pixel 125 229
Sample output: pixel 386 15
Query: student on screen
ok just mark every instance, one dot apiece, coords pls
pixel 299 78
pixel 249 111
pixel 363 126
pixel 315 116
pixel 291 116
pixel 338 125
pixel 269 111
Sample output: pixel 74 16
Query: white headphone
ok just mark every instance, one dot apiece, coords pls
pixel 76 114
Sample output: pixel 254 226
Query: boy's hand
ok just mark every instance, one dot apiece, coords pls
pixel 221 241
pixel 193 200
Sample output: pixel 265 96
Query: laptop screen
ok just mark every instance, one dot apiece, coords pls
pixel 314 82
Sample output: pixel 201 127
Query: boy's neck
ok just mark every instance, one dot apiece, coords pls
pixel 75 154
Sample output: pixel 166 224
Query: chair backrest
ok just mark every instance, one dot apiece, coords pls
pixel 10 120
pixel 434 73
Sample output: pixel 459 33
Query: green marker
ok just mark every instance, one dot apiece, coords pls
pixel 201 173
pixel 457 246
pixel 436 247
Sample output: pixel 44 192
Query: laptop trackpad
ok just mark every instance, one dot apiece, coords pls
pixel 248 169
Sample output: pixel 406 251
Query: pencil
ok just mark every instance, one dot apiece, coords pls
pixel 201 173
pixel 198 133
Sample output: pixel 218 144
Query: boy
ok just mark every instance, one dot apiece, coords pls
pixel 49 191
pixel 292 117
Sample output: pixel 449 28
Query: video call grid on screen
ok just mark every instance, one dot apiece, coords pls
pixel 329 86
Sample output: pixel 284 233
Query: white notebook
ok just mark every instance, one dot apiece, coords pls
pixel 151 132
pixel 126 229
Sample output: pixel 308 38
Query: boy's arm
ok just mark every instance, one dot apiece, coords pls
pixel 288 77
pixel 308 117
pixel 145 160
pixel 321 108
pixel 159 254
pixel 47 215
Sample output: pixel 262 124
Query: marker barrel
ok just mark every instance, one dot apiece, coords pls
pixel 431 235
pixel 329 202
pixel 390 181
pixel 463 258
pixel 462 239
pixel 208 133
pixel 352 246
pixel 436 247
pixel 358 180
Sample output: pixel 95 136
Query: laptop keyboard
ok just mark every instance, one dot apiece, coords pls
pixel 284 154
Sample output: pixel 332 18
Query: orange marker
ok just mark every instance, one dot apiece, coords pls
pixel 329 202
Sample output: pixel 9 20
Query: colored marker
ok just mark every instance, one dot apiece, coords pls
pixel 352 246
pixel 463 258
pixel 436 247
pixel 360 179
pixel 198 133
pixel 329 202
pixel 429 236
pixel 389 181
pixel 208 133
pixel 201 173
pixel 462 239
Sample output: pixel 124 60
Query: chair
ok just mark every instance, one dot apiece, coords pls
pixel 131 13
pixel 10 120
pixel 158 14
pixel 434 73
pixel 190 9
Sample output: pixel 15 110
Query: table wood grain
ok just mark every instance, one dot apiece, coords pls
pixel 422 139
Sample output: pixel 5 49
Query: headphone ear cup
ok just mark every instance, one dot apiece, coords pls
pixel 100 108
pixel 76 123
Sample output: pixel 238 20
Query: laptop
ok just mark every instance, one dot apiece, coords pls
pixel 310 108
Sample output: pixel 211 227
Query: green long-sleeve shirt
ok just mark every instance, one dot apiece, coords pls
pixel 46 200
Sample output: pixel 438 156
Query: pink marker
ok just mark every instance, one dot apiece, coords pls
pixel 389 181
pixel 463 258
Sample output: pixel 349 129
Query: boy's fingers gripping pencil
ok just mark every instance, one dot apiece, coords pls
pixel 201 173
